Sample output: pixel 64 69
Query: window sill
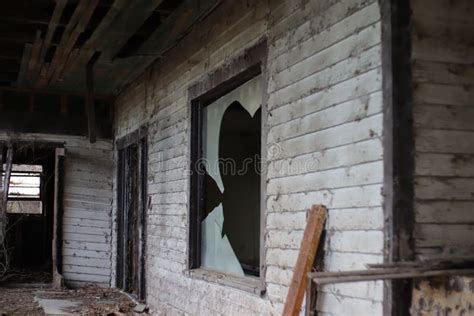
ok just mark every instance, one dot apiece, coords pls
pixel 246 283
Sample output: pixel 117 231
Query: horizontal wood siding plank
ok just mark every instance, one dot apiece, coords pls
pixel 324 140
pixel 443 75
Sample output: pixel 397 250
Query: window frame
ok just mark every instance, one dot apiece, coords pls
pixel 218 84
pixel 138 139
pixel 38 174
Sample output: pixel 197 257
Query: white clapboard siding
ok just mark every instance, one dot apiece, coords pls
pixel 87 197
pixel 90 278
pixel 87 223
pixel 86 253
pixel 86 270
pixel 324 135
pixel 72 244
pixel 443 75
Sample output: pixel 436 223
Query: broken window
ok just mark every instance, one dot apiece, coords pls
pixel 228 190
pixel 24 191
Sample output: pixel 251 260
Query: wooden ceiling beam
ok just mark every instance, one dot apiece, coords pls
pixel 21 79
pixel 33 61
pixel 93 43
pixel 39 66
pixel 89 101
pixel 74 28
pixel 126 23
pixel 123 19
pixel 174 26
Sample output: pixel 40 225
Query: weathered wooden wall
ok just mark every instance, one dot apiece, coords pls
pixel 87 224
pixel 87 207
pixel 443 75
pixel 443 92
pixel 324 115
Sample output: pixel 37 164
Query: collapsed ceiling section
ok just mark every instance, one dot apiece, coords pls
pixel 47 44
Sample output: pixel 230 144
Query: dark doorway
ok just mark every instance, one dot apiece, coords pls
pixel 30 213
pixel 131 209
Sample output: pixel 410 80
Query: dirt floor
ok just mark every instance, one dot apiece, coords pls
pixel 93 300
pixel 19 302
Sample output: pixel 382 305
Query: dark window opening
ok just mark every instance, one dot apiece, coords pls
pixel 226 183
pixel 30 213
pixel 151 24
pixel 97 16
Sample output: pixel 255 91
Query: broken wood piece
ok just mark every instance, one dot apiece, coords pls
pixel 304 263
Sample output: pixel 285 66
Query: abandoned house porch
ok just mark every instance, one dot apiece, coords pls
pixel 219 157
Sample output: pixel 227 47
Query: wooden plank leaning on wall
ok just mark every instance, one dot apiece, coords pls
pixel 309 246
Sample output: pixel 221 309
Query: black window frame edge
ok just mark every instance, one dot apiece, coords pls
pixel 398 144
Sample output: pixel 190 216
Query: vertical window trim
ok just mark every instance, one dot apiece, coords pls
pixel 197 187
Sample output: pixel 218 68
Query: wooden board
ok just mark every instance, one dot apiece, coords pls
pixel 4 191
pixel 307 254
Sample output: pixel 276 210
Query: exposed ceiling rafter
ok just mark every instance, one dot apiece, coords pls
pixel 128 34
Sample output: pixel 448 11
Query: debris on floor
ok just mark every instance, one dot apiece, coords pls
pixel 57 307
pixel 88 300
pixel 19 301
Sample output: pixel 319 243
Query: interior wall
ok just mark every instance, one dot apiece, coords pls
pixel 323 128
pixel 443 77
pixel 87 206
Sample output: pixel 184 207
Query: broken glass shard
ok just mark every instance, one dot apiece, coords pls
pixel 249 95
pixel 216 251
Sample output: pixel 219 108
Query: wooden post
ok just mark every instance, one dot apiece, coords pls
pixel 4 197
pixel 58 218
pixel 90 108
pixel 309 247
